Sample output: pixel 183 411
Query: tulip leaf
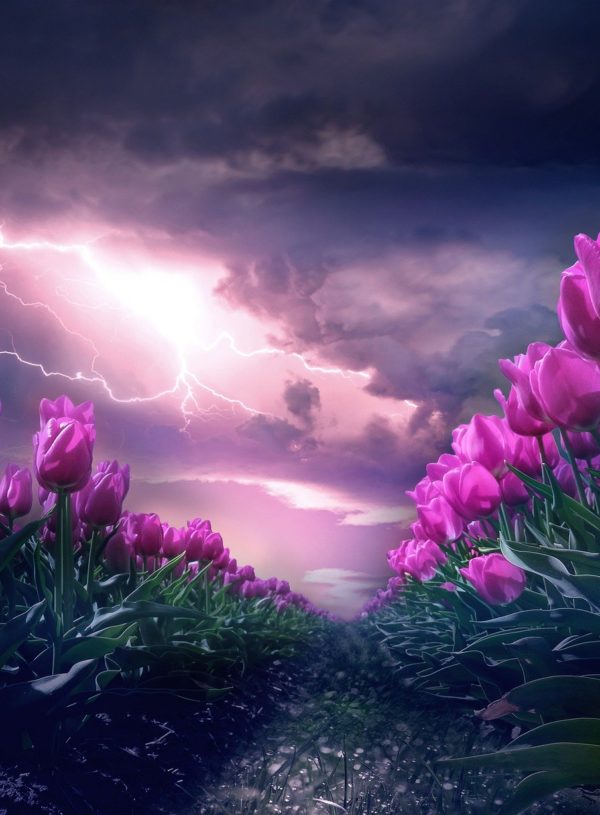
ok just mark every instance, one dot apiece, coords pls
pixel 150 586
pixel 16 631
pixel 574 618
pixel 11 545
pixel 543 783
pixel 586 587
pixel 569 756
pixel 127 612
pixel 585 730
pixel 575 695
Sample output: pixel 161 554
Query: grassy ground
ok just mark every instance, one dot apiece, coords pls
pixel 325 733
pixel 350 740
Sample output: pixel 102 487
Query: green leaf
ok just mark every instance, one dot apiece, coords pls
pixel 11 545
pixel 585 731
pixel 127 612
pixel 543 783
pixel 569 756
pixel 561 617
pixel 16 631
pixel 576 695
pixel 151 585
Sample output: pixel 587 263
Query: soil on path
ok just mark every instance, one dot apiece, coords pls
pixel 328 732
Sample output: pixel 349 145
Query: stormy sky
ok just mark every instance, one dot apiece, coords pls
pixel 281 245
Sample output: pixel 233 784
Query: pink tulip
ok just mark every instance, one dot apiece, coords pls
pixel 496 580
pixel 579 301
pixel 481 529
pixel 63 454
pixel 419 558
pixel 424 491
pixel 513 490
pixel 436 469
pixel 567 387
pixel 472 491
pixel 584 445
pixel 144 532
pixel 563 472
pixel 118 553
pixel 194 543
pixel 518 419
pixel 484 440
pixel 174 542
pixel 63 408
pixel 518 373
pixel 439 521
pixel 212 546
pixel 16 491
pixel 113 467
pixel 100 502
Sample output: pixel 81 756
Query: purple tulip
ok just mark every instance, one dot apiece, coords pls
pixel 63 408
pixel 439 521
pixel 436 469
pixel 567 387
pixel 420 558
pixel 113 467
pixel 481 529
pixel 584 445
pixel 174 542
pixel 489 441
pixel 424 491
pixel 563 472
pixel 472 491
pixel 63 454
pixel 16 491
pixel 212 546
pixel 576 313
pixel 518 373
pixel 518 419
pixel 222 561
pixel 194 543
pixel 513 490
pixel 118 553
pixel 247 573
pixel 496 580
pixel 144 532
pixel 100 502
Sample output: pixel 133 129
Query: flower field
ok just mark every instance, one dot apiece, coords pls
pixel 494 605
pixel 496 599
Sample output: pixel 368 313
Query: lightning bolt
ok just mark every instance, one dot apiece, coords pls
pixel 185 382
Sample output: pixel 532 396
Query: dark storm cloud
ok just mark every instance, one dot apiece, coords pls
pixel 448 81
pixel 302 399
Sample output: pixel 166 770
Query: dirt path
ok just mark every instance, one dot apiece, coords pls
pixel 348 739
pixel 328 732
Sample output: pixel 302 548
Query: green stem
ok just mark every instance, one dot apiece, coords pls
pixel 570 455
pixel 89 583
pixel 64 544
pixel 544 461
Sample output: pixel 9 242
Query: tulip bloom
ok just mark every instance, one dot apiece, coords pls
pixel 488 440
pixel 518 419
pixel 113 467
pixel 16 492
pixel 518 373
pixel 439 521
pixel 437 469
pixel 567 387
pixel 144 532
pixel 118 553
pixel 173 541
pixel 63 408
pixel 100 502
pixel 513 490
pixel 212 546
pixel 496 579
pixel 579 303
pixel 63 454
pixel 419 558
pixel 472 491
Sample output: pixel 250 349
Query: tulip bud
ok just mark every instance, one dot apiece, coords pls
pixel 63 454
pixel 496 579
pixel 16 491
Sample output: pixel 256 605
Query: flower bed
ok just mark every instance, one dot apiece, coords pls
pixel 496 598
